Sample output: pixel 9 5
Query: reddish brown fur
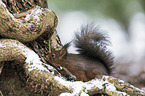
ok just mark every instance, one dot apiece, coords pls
pixel 93 58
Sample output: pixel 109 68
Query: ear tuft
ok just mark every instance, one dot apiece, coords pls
pixel 67 45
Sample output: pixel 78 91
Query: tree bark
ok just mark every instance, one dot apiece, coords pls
pixel 27 34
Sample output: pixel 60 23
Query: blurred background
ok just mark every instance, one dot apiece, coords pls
pixel 123 20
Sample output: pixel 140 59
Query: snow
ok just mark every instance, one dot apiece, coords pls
pixel 33 60
pixel 31 57
pixel 84 94
pixel 111 87
pixel 1 3
pixel 35 13
pixel 83 87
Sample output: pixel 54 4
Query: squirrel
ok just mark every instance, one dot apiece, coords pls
pixel 93 58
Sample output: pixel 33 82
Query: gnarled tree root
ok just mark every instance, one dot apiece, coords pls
pixel 41 80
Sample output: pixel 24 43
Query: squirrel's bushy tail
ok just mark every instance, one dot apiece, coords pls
pixel 92 43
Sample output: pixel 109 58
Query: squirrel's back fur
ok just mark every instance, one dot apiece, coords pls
pixel 92 43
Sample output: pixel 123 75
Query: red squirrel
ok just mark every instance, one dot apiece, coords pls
pixel 93 58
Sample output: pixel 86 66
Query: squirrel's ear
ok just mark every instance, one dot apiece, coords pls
pixel 63 51
pixel 67 45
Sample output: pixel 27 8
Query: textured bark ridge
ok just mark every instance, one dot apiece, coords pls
pixel 27 35
pixel 27 28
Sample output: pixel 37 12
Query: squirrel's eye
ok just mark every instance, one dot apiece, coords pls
pixel 53 55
